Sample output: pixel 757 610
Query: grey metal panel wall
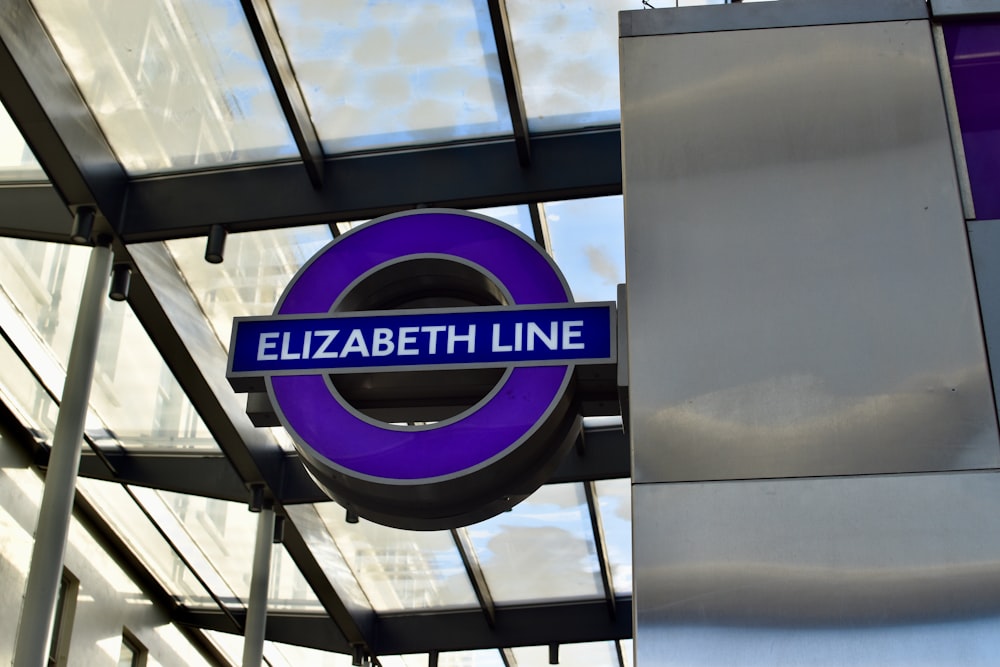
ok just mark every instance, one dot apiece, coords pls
pixel 879 570
pixel 801 300
pixel 812 418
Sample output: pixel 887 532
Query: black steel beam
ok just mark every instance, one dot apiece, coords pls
pixel 511 78
pixel 604 454
pixel 212 475
pixel 540 226
pixel 451 630
pixel 570 166
pixel 34 211
pixel 522 625
pixel 45 104
pixel 316 631
pixel 475 175
pixel 207 475
pixel 286 87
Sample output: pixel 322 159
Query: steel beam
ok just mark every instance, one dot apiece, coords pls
pixel 34 211
pixel 473 175
pixel 540 226
pixel 212 475
pixel 208 474
pixel 511 78
pixel 566 166
pixel 520 625
pixel 604 455
pixel 447 630
pixel 286 87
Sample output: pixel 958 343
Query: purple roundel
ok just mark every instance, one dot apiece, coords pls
pixel 363 448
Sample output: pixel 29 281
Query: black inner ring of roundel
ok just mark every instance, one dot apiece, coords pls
pixel 419 397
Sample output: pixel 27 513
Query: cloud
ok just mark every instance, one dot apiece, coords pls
pixel 601 263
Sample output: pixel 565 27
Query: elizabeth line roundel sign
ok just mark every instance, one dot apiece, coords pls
pixel 430 298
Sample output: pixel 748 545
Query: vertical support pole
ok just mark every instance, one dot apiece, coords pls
pixel 56 508
pixel 253 638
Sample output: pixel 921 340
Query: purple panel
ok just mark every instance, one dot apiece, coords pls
pixel 974 59
pixel 355 445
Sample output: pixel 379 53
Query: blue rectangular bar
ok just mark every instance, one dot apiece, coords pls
pixel 399 340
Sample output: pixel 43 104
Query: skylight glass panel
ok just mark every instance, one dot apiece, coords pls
pixel 230 645
pixel 174 85
pixel 480 658
pixel 288 655
pixel 344 227
pixel 134 399
pixel 17 162
pixel 21 392
pixel 588 244
pixel 215 537
pixel 44 282
pixel 518 217
pixel 316 535
pixel 614 501
pixel 379 74
pixel 567 59
pixel 400 569
pixel 136 394
pixel 628 648
pixel 132 525
pixel 256 269
pixel 542 549
pixel 592 654
pixel 288 589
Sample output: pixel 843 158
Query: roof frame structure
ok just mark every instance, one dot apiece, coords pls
pixel 571 165
pixel 42 98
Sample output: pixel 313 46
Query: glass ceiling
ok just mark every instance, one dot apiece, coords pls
pixel 174 85
pixel 382 74
pixel 17 163
pixel 180 87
